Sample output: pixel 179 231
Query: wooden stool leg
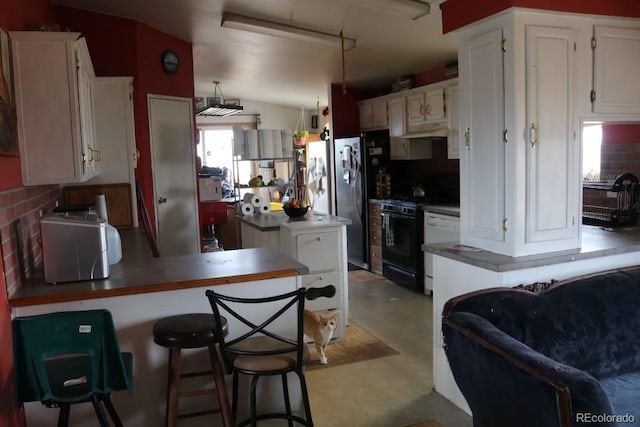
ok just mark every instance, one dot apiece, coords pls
pixel 221 387
pixel 173 382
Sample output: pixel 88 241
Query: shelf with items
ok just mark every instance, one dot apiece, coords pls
pixel 264 177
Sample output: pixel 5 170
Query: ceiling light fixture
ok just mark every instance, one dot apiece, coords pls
pixel 277 29
pixel 410 9
pixel 217 107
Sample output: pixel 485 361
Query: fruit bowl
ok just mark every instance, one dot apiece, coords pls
pixel 295 212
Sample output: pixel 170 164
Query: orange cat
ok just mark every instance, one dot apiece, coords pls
pixel 320 328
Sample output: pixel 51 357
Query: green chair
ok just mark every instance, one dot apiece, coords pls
pixel 70 357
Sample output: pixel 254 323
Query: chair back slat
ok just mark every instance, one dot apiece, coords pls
pixel 293 303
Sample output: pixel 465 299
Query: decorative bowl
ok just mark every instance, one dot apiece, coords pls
pixel 295 212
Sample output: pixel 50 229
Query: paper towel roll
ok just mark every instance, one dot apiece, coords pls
pixel 251 140
pixel 101 207
pixel 277 143
pixel 253 199
pixel 265 207
pixel 247 209
pixel 238 141
pixel 265 143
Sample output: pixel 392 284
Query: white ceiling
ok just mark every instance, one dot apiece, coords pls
pixel 290 72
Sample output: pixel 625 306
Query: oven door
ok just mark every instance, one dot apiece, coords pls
pixel 400 240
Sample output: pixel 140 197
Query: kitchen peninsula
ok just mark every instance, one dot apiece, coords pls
pixel 319 241
pixel 142 289
pixel 458 269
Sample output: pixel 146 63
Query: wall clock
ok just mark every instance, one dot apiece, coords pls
pixel 170 62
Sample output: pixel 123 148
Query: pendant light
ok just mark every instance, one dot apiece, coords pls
pixel 216 106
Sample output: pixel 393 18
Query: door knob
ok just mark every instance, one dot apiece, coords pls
pixel 162 200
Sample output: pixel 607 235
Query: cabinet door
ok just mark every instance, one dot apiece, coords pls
pixel 434 109
pixel 379 114
pixel 366 115
pixel 453 140
pixel 616 60
pixel 399 148
pixel 416 109
pixel 396 117
pixel 482 168
pixel 86 81
pixel 47 107
pixel 550 153
pixel 318 251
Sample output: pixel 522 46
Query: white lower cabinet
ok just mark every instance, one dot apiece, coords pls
pixel 323 250
pixel 254 238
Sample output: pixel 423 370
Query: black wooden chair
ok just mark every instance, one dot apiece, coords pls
pixel 260 350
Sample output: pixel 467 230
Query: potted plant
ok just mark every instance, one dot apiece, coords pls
pixel 300 138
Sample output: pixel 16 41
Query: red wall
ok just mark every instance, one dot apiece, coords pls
pixel 344 110
pixel 458 13
pixel 123 47
pixel 14 15
pixel 117 46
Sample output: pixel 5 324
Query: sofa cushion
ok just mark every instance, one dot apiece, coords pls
pixel 624 394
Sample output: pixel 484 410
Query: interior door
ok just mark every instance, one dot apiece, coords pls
pixel 174 176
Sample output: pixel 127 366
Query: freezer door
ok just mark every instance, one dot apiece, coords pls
pixel 350 201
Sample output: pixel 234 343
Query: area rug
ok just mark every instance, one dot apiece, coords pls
pixel 358 346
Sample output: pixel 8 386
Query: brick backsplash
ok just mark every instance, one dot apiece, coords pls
pixel 20 210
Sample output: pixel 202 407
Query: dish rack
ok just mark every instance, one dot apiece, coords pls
pixel 616 205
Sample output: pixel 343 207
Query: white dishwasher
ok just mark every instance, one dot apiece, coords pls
pixel 438 228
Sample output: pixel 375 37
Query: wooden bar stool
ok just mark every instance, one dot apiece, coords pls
pixel 193 330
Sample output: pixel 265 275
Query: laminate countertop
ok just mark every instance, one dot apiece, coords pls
pixel 139 272
pixel 272 221
pixel 596 242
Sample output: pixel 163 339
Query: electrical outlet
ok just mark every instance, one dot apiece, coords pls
pixel 41 212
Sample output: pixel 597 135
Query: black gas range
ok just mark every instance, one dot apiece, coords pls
pixel 402 235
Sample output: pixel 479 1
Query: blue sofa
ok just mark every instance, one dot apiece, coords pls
pixel 567 356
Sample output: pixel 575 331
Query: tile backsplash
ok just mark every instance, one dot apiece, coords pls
pixel 20 211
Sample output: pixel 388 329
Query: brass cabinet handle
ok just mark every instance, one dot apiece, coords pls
pixel 162 200
pixel 533 135
pixel 95 155
pixel 467 138
pixel 428 109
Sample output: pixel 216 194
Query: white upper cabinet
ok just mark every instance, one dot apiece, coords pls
pixel 616 60
pixel 373 114
pixel 402 148
pixel 426 106
pixel 54 78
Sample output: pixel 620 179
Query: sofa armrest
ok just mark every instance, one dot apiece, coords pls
pixel 507 383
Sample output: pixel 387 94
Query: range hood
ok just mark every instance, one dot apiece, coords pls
pixel 217 107
pixel 436 132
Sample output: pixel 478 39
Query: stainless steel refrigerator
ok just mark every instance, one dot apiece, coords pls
pixel 350 196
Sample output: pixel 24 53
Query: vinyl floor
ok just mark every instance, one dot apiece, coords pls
pixel 392 391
